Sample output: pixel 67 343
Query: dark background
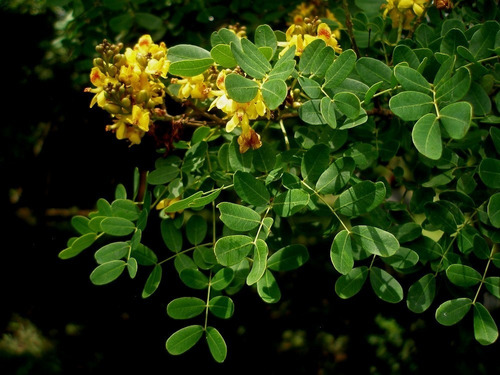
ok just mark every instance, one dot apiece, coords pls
pixel 56 161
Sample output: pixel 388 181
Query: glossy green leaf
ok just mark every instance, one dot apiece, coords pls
pixel 183 261
pixel 375 240
pixel 453 311
pixel 426 136
pixel 265 37
pixel 107 272
pixel 250 59
pixel 321 61
pixel 181 52
pixel 314 162
pixel 144 255
pixel 190 68
pixel 385 286
pixel 250 190
pixel 456 119
pixel 152 282
pixel 494 210
pixel 336 176
pixel 404 54
pixel 406 232
pixel 223 56
pixel 222 278
pixel 117 226
pixel 421 294
pixel 310 112
pixel 204 200
pixel 360 198
pixel 451 40
pixel 288 258
pixel 221 306
pixel 483 40
pixel 462 275
pixel 454 89
pixel 411 105
pixel 327 108
pixel 184 339
pixel 268 288
pixel 81 243
pixel 371 91
pixel 372 71
pixel 241 89
pixel 125 208
pixel 426 248
pixel 216 344
pixel 81 224
pixel 132 267
pixel 348 104
pixel 196 229
pixel 283 68
pixel 489 171
pixel 485 328
pixel 185 307
pixel 172 237
pixel 341 253
pixel 259 264
pixel 224 36
pixel 340 69
pixel 402 259
pixel 310 87
pixel 112 251
pixel 237 160
pixel 290 202
pixel 444 215
pixel 264 159
pixel 312 50
pixel 349 285
pixel 492 283
pixel 231 250
pixel 411 80
pixel 237 217
pixel 479 99
pixel 274 93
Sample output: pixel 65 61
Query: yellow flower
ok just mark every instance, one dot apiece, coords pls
pixel 296 36
pixel 404 11
pixel 325 34
pixel 194 87
pixel 123 130
pixel 140 118
pixel 100 80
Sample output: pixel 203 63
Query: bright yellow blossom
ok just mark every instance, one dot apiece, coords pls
pixel 298 37
pixel 195 87
pixel 403 12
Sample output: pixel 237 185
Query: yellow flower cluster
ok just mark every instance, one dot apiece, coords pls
pixel 197 87
pixel 301 37
pixel 240 114
pixel 305 12
pixel 403 12
pixel 128 85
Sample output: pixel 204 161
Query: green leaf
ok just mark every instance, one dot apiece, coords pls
pixel 274 93
pixel 340 69
pixel 81 224
pixel 462 275
pixel 223 56
pixel 310 52
pixel 196 229
pixel 144 255
pixel 290 202
pixel 411 80
pixel 341 253
pixel 122 22
pixel 327 108
pixel 483 40
pixel 403 53
pixel 360 198
pixel 107 272
pixel 314 162
pixel 182 52
pixel 264 159
pixel 310 87
pixel 152 282
pixel 250 190
pixel 456 119
pixel 288 258
pixel 375 240
pixel 411 105
pixel 183 203
pixel 268 288
pixel 250 59
pixel 283 67
pixel 237 160
pixel 454 89
pixel 184 339
pixel 349 285
pixel 451 40
pixel 321 61
pixel 194 278
pixel 493 285
pixel 348 104
pixel 494 210
pixel 241 89
pixel 485 329
pixel 336 176
pixel 117 226
pixel 310 112
pixel 265 37
pixel 224 36
pixel 489 171
pixel 353 122
pixel 81 243
pixel 171 235
pixel 402 259
pixel 221 306
pixel 132 267
pixel 427 248
pixel 444 215
pixel 112 251
pixel 237 217
pixel 453 311
pixel 222 279
pixel 421 294
pixel 203 201
pixel 259 262
pixel 426 136
pixel 185 307
pixel 204 257
pixel 148 21
pixel 480 101
pixel 386 287
pixel 372 71
pixel 406 232
pixel 190 68
pixel 216 344
pixel 125 208
pixel 371 91
pixel 231 250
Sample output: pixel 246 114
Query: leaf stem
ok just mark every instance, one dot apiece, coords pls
pixel 285 136
pixel 484 273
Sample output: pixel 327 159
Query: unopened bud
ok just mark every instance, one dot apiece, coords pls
pixel 119 60
pixel 99 48
pixel 99 62
pixel 125 102
pixel 159 55
pixel 112 108
pixel 112 70
pixel 142 96
pixel 296 104
pixel 151 104
pixel 141 59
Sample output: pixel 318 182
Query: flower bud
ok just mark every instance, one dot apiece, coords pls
pixel 99 62
pixel 112 70
pixel 125 102
pixel 141 59
pixel 119 60
pixel 99 48
pixel 151 104
pixel 142 96
pixel 112 108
